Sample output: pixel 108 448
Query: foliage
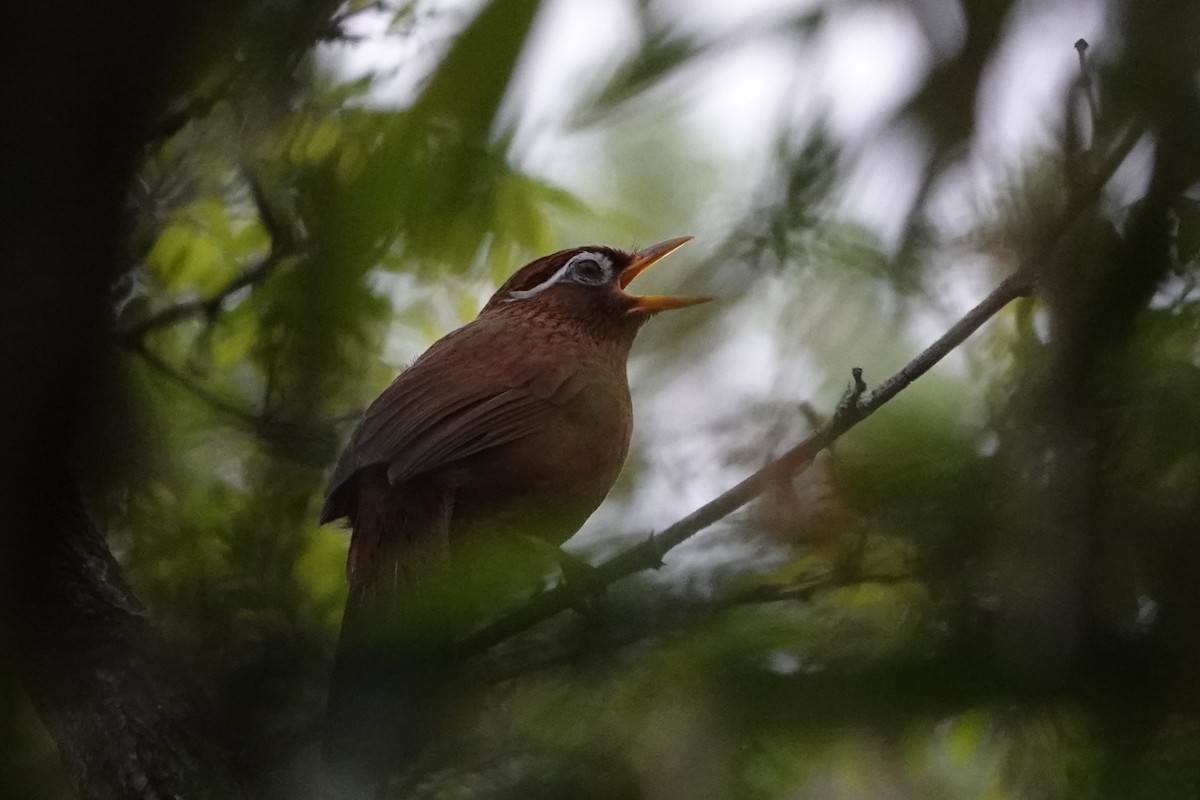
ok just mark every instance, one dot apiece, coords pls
pixel 986 591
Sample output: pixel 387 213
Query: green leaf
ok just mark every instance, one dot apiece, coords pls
pixel 211 216
pixel 169 250
pixel 662 55
pixel 966 736
pixel 322 140
pixel 233 337
pixel 430 177
pixel 250 239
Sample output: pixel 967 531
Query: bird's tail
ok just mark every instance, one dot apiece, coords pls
pixel 387 695
pixel 390 680
pixel 395 674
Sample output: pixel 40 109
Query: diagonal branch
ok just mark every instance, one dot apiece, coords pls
pixel 853 409
pixel 201 306
pixel 243 415
pixel 622 631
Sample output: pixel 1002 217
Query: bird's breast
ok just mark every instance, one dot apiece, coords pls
pixel 548 483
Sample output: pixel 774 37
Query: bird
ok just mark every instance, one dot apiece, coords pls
pixel 515 424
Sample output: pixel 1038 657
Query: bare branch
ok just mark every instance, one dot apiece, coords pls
pixel 172 122
pixel 206 306
pixel 240 414
pixel 852 409
pixel 619 631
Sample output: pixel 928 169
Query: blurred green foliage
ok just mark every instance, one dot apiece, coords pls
pixel 987 591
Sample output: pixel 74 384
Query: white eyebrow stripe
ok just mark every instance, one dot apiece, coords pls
pixel 525 294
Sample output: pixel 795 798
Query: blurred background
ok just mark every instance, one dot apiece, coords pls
pixel 233 225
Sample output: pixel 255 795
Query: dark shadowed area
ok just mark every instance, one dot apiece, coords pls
pixel 229 226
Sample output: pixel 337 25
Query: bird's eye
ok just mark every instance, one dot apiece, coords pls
pixel 589 270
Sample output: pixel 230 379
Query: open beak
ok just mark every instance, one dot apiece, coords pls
pixel 642 259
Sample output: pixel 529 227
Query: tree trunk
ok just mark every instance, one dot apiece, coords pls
pixel 126 721
pixel 77 82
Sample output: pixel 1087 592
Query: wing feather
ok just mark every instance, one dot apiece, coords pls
pixel 431 416
pixel 504 418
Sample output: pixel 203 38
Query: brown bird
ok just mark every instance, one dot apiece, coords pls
pixel 516 423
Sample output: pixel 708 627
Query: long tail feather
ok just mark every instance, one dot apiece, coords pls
pixel 388 688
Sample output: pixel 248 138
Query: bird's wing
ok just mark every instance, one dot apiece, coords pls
pixel 434 414
pixel 510 410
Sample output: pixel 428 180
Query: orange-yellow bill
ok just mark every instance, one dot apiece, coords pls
pixel 643 259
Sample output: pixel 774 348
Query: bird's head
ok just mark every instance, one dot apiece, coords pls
pixel 589 283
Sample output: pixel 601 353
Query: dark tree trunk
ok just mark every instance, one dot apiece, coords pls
pixel 77 82
pixel 126 721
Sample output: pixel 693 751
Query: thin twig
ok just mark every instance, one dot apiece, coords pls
pixel 197 107
pixel 1086 85
pixel 201 306
pixel 852 409
pixel 601 638
pixel 241 414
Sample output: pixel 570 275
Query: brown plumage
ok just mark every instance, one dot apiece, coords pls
pixel 518 423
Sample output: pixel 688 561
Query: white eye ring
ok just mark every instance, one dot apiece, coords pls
pixel 590 269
